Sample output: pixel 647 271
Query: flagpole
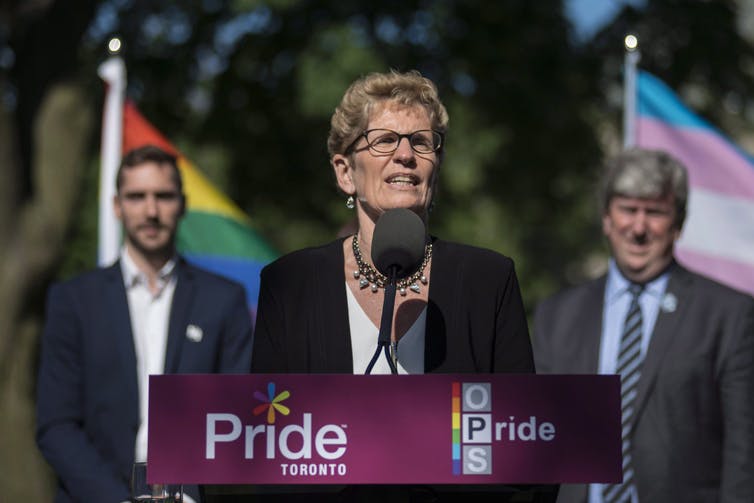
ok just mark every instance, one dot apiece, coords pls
pixel 113 72
pixel 630 63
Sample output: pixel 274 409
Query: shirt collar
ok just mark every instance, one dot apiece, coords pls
pixel 617 284
pixel 133 276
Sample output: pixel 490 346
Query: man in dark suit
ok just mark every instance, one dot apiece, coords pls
pixel 682 344
pixel 107 330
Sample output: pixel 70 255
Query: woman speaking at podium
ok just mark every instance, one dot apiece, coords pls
pixel 320 308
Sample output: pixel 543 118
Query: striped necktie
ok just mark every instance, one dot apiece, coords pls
pixel 629 368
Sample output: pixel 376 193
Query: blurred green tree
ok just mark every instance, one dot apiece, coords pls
pixel 271 74
pixel 46 121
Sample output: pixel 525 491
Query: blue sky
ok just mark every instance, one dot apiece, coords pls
pixel 588 16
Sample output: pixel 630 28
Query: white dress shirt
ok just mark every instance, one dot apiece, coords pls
pixel 150 316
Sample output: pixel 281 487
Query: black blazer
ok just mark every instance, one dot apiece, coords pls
pixel 475 316
pixel 475 324
pixel 693 435
pixel 87 391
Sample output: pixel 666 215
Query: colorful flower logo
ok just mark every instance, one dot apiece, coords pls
pixel 271 403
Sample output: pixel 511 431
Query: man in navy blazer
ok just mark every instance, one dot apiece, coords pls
pixel 688 420
pixel 108 329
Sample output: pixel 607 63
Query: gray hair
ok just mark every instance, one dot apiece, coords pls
pixel 646 174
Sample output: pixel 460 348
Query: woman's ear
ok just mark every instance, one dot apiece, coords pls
pixel 343 173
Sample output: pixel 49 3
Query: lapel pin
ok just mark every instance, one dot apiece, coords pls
pixel 194 333
pixel 669 303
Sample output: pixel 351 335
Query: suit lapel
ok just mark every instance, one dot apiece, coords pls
pixel 587 339
pixel 179 315
pixel 333 344
pixel 666 327
pixel 116 306
pixel 441 293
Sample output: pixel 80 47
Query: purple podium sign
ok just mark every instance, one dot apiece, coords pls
pixel 412 429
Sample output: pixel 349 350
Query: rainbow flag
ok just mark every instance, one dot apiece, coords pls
pixel 718 237
pixel 214 234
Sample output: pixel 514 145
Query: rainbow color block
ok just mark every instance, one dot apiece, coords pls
pixel 718 236
pixel 456 426
pixel 215 233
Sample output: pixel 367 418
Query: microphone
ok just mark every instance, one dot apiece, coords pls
pixel 397 252
pixel 398 242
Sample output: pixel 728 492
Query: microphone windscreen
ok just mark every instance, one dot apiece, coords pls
pixel 398 241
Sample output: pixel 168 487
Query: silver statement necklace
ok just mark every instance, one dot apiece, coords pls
pixel 368 275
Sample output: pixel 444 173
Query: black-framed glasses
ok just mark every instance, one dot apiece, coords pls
pixel 386 141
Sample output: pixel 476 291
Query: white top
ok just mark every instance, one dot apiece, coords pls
pixel 364 342
pixel 150 316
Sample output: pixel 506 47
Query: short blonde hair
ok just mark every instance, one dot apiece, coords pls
pixel 351 116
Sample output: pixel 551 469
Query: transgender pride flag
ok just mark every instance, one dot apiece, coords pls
pixel 718 236
pixel 214 233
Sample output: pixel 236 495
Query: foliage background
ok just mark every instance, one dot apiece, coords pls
pixel 246 87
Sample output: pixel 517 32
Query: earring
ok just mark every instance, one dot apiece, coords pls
pixel 431 206
pixel 350 203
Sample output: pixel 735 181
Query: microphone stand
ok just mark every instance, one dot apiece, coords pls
pixel 386 325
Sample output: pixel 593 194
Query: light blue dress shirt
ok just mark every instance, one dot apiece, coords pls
pixel 616 303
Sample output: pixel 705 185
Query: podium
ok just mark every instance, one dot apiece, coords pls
pixel 321 437
pixel 383 494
